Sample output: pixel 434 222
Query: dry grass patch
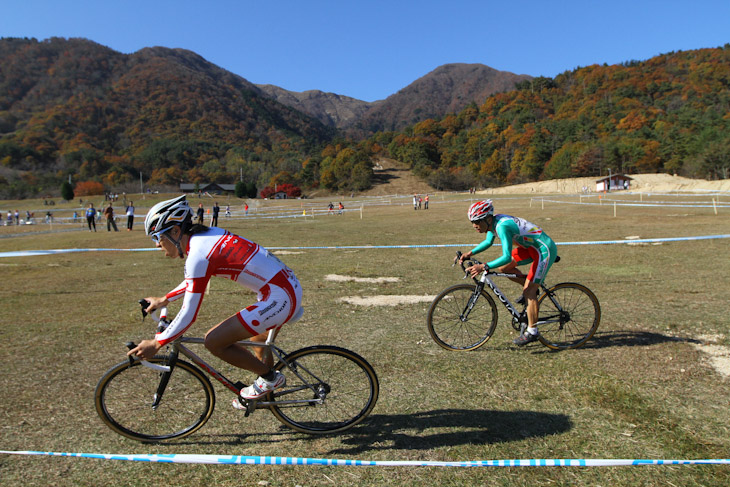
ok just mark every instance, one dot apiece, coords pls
pixel 640 389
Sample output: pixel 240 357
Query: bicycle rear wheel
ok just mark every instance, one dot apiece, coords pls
pixel 125 394
pixel 328 390
pixel 457 322
pixel 569 316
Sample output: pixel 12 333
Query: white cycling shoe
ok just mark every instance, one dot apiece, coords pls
pixel 261 386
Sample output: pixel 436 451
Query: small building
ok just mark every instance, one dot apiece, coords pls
pixel 211 188
pixel 614 182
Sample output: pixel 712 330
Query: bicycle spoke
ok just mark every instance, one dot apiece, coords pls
pixel 343 380
pixel 578 313
pixel 125 396
pixel 457 322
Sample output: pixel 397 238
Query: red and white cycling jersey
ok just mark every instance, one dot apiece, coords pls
pixel 218 252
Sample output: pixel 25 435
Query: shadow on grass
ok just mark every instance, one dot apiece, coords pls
pixel 632 339
pixel 420 431
pixel 450 427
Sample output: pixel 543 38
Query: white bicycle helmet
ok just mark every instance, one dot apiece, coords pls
pixel 166 214
pixel 480 210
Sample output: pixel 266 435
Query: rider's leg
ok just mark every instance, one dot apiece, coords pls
pixel 264 353
pixel 221 341
pixel 511 268
pixel 530 294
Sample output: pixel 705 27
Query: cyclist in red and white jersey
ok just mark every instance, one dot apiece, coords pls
pixel 216 252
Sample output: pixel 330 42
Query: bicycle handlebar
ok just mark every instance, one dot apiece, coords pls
pixel 159 317
pixel 471 261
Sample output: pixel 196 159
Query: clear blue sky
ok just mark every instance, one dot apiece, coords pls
pixel 370 49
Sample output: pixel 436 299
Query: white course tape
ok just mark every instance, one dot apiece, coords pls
pixel 28 253
pixel 258 460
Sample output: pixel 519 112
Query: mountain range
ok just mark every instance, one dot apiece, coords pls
pixel 74 108
pixel 446 89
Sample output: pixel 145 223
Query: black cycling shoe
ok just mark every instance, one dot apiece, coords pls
pixel 524 339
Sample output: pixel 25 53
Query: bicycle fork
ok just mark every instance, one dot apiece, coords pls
pixel 471 303
pixel 164 380
pixel 165 373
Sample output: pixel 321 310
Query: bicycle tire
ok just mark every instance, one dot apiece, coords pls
pixel 347 381
pixel 447 326
pixel 578 322
pixel 125 393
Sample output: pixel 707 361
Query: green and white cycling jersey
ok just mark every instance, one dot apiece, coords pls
pixel 514 230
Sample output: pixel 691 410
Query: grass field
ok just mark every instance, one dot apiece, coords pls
pixel 642 388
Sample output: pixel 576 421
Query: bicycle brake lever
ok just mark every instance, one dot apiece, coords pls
pixel 131 346
pixel 145 304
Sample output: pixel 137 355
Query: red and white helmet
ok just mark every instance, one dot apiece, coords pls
pixel 480 210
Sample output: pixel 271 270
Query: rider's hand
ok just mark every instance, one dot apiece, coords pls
pixel 156 303
pixel 464 257
pixel 146 349
pixel 477 269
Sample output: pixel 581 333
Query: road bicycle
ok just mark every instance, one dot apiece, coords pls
pixel 464 316
pixel 328 390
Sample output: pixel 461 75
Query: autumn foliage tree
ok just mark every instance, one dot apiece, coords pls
pixel 290 190
pixel 661 115
pixel 89 188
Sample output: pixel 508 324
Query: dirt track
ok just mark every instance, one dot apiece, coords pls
pixel 392 177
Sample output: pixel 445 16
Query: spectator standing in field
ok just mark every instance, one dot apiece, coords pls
pixel 425 203
pixel 10 219
pixel 17 217
pixel 91 216
pixel 245 209
pixel 109 214
pixel 341 208
pixel 214 219
pixel 415 202
pixel 130 215
pixel 228 210
pixel 201 212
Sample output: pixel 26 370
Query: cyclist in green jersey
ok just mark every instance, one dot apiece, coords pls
pixel 522 243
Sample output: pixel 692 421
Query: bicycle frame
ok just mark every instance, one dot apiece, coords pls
pixel 519 317
pixel 178 348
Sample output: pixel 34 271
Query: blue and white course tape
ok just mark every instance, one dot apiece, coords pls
pixel 262 460
pixel 28 253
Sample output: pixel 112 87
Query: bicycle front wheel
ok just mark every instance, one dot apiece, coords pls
pixel 328 390
pixel 125 394
pixel 569 316
pixel 460 320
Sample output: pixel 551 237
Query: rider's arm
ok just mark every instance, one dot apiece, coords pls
pixel 485 244
pixel 177 293
pixel 192 299
pixel 505 233
pixel 192 291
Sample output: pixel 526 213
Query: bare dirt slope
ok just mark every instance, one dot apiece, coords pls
pixel 659 183
pixel 393 177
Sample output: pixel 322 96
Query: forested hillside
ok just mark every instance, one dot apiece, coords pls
pixel 670 114
pixel 74 107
